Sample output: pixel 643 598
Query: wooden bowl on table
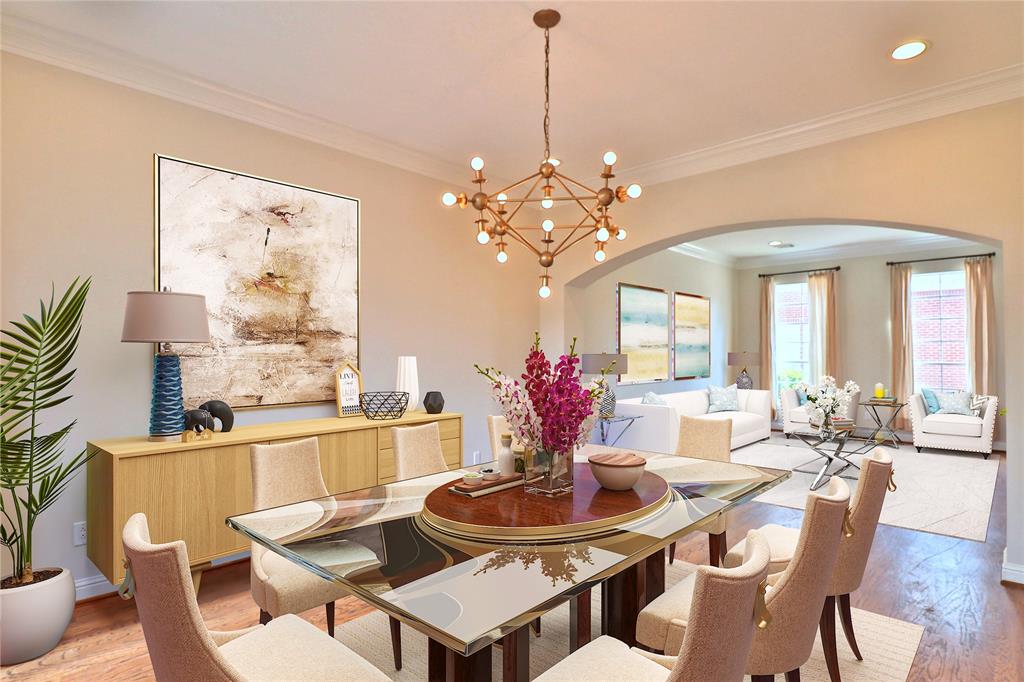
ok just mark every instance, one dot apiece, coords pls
pixel 617 470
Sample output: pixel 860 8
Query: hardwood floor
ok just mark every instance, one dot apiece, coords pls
pixel 974 626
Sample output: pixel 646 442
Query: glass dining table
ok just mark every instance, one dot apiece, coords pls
pixel 467 593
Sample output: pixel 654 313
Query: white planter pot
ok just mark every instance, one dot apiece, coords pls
pixel 408 380
pixel 35 617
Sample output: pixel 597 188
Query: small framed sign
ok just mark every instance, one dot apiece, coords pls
pixel 348 383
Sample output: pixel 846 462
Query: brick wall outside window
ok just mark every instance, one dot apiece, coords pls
pixel 939 327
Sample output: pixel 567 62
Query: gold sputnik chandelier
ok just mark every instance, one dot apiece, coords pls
pixel 498 210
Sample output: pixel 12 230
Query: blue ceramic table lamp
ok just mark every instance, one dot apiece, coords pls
pixel 163 318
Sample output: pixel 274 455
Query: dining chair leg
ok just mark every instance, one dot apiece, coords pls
pixel 793 675
pixel 672 552
pixel 536 626
pixel 827 626
pixel 265 617
pixel 396 640
pixel 329 608
pixel 762 678
pixel 846 618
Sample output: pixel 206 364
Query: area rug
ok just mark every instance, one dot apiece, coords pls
pixel 888 645
pixel 944 493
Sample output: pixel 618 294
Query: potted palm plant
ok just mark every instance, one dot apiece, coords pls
pixel 34 356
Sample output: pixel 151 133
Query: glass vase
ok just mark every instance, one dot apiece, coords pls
pixel 827 429
pixel 551 473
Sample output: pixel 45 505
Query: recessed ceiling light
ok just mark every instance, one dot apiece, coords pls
pixel 780 245
pixel 909 50
pixel 775 242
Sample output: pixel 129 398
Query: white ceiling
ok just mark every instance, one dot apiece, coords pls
pixel 749 249
pixel 650 80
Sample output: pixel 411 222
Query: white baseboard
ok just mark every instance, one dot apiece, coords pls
pixel 1012 573
pixel 93 586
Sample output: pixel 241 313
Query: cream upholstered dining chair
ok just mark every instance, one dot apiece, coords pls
pixel 417 451
pixel 180 646
pixel 287 473
pixel 707 439
pixel 727 608
pixel 794 596
pixel 854 549
pixel 496 425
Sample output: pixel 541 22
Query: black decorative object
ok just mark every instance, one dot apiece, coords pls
pixel 433 402
pixel 198 420
pixel 222 411
pixel 384 404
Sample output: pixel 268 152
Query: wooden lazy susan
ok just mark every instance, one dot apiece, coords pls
pixel 514 515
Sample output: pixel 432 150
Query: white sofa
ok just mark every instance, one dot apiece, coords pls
pixel 796 417
pixel 658 431
pixel 953 431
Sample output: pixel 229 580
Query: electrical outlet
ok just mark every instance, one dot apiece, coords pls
pixel 78 533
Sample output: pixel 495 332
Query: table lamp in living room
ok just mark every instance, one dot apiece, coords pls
pixel 594 363
pixel 744 360
pixel 165 317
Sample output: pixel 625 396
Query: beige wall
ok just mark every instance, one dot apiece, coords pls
pixel 959 174
pixel 77 162
pixel 863 313
pixel 670 271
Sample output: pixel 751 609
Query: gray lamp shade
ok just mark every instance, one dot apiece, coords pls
pixel 165 317
pixel 744 359
pixel 593 363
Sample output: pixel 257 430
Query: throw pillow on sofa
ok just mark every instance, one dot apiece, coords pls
pixel 723 399
pixel 652 398
pixel 978 404
pixel 931 401
pixel 801 397
pixel 955 403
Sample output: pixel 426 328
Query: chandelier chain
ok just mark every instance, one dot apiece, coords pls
pixel 547 94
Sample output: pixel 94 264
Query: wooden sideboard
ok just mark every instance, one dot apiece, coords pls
pixel 187 489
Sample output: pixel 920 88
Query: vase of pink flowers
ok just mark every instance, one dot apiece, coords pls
pixel 550 412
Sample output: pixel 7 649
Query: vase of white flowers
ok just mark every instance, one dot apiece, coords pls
pixel 827 400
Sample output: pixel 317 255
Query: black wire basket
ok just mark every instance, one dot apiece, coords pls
pixel 384 404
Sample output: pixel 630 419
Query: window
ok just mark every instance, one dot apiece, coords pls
pixel 792 330
pixel 939 327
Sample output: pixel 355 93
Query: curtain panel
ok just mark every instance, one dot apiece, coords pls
pixel 767 367
pixel 981 347
pixel 902 339
pixel 824 322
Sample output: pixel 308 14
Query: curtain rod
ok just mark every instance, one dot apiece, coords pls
pixel 929 260
pixel 798 272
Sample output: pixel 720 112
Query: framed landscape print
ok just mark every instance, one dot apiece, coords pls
pixel 692 336
pixel 644 332
pixel 279 267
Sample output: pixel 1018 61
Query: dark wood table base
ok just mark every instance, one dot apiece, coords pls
pixel 445 665
pixel 626 593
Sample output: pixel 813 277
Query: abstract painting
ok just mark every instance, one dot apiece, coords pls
pixel 692 336
pixel 279 267
pixel 644 332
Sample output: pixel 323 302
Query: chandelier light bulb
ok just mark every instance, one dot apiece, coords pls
pixel 634 191
pixel 602 234
pixel 502 256
pixel 502 198
pixel 544 291
pixel 548 225
pixel 482 237
pixel 476 163
pixel 448 199
pixel 554 162
pixel 621 234
pixel 600 255
pixel 547 202
pixel 610 158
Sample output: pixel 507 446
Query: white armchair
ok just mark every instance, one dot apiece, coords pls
pixel 953 431
pixel 796 416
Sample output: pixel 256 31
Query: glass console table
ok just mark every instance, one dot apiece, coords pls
pixel 466 593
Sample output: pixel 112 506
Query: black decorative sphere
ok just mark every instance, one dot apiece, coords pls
pixel 220 410
pixel 433 402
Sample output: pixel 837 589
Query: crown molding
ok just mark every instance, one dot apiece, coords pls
pixel 701 253
pixel 76 53
pixel 975 91
pixel 909 244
